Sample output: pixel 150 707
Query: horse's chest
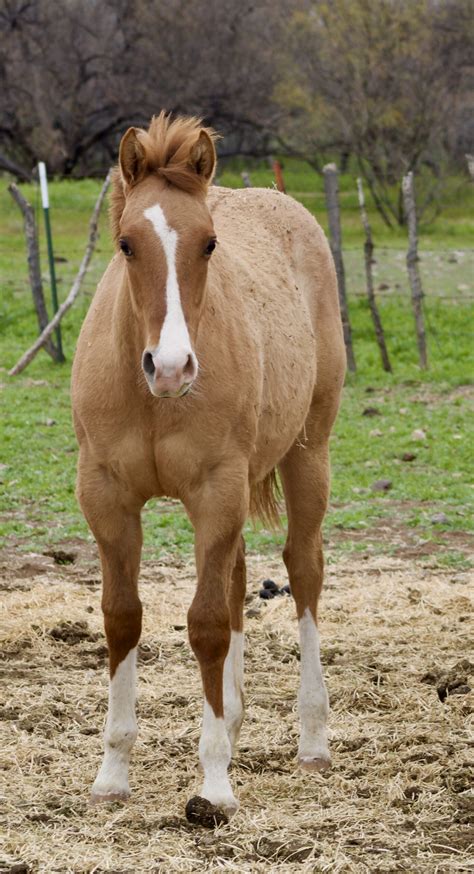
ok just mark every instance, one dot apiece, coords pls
pixel 176 462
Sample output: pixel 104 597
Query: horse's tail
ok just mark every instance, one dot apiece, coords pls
pixel 264 500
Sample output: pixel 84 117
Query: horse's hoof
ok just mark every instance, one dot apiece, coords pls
pixel 200 811
pixel 314 763
pixel 103 798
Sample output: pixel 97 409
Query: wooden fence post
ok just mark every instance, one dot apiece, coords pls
pixel 409 204
pixel 470 166
pixel 332 205
pixel 34 267
pixel 368 253
pixel 280 182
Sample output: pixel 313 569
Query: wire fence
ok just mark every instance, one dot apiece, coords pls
pixel 441 269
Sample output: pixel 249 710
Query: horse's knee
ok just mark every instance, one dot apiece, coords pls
pixel 209 631
pixel 305 565
pixel 123 627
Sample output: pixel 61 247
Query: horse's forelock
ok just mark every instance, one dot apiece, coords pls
pixel 167 151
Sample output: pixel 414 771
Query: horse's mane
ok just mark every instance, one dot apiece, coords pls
pixel 167 147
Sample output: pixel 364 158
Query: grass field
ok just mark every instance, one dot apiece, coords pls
pixel 38 451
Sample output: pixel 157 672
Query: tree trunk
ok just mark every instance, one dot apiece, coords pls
pixel 412 265
pixel 332 205
pixel 368 253
pixel 34 268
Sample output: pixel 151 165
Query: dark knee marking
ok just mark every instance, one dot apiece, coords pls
pixel 209 636
pixel 305 566
pixel 238 589
pixel 209 631
pixel 123 629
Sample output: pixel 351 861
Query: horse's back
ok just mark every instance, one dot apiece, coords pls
pixel 292 268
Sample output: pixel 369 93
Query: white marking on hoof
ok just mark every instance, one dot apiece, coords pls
pixel 230 809
pixel 111 796
pixel 111 783
pixel 234 687
pixel 214 754
pixel 314 764
pixel 313 698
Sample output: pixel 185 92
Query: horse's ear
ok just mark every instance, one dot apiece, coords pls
pixel 203 156
pixel 131 156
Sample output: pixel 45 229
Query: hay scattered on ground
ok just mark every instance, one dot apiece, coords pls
pixel 397 798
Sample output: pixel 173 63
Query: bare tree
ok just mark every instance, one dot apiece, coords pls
pixel 382 80
pixel 78 72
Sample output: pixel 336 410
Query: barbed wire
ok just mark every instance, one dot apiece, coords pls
pixel 386 295
pixel 384 253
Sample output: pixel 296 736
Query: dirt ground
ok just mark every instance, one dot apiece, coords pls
pixel 395 648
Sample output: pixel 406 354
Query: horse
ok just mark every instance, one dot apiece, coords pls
pixel 210 359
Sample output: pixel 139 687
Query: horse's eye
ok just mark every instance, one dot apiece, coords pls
pixel 210 247
pixel 125 248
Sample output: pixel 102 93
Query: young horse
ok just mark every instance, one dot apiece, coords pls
pixel 212 353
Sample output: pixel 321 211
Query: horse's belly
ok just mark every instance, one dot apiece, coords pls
pixel 289 382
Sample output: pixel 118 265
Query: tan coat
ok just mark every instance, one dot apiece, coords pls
pixel 250 329
pixel 269 340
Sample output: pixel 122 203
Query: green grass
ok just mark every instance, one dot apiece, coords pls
pixel 37 444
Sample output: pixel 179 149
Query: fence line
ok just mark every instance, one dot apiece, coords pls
pixel 385 255
pixel 384 293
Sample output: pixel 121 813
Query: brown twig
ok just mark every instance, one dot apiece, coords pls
pixel 368 253
pixel 332 204
pixel 412 266
pixel 34 268
pixel 67 304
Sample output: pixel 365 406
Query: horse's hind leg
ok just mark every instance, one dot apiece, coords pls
pixel 117 529
pixel 305 477
pixel 234 663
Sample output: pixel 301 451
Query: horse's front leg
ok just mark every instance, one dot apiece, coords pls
pixel 218 514
pixel 115 523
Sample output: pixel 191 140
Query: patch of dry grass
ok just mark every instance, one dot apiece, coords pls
pixel 397 798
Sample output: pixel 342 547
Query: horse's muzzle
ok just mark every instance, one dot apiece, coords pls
pixel 169 378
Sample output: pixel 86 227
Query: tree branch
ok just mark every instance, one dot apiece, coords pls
pixel 67 304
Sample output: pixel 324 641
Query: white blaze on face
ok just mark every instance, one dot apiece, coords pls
pixel 234 686
pixel 313 698
pixel 120 730
pixel 175 344
pixel 214 754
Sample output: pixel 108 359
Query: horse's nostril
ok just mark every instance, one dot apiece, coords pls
pixel 148 364
pixel 188 369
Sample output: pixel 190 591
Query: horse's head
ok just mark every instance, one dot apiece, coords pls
pixel 165 234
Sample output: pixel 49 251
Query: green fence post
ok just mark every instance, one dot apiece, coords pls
pixel 49 239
